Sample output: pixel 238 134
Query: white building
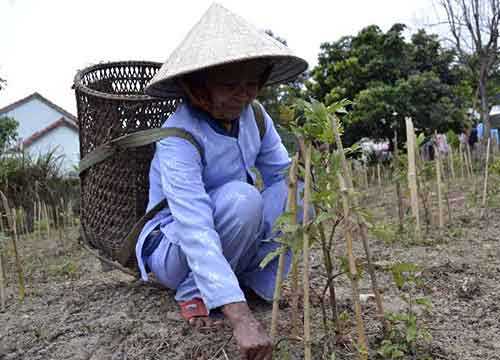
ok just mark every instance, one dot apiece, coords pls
pixel 44 127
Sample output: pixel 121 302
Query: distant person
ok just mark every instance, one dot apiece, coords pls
pixel 473 138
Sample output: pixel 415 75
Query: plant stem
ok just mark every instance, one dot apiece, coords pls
pixel 438 180
pixel 2 280
pixel 362 344
pixel 361 225
pixel 307 199
pixel 292 207
pixel 460 159
pixel 329 272
pixel 452 166
pixel 485 187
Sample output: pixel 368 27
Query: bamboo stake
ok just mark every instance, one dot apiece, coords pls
pixel 398 183
pixel 379 180
pixel 494 146
pixel 63 215
pixel 365 173
pixel 2 279
pixel 466 162
pixel 307 199
pixel 24 214
pixel 469 154
pixel 460 159
pixel 362 227
pixel 295 259
pixel 362 344
pixel 47 218
pixel 55 211
pixel 2 230
pixel 485 187
pixel 438 180
pixel 21 221
pixel 292 208
pixel 4 273
pixel 412 173
pixel 474 187
pixel 12 225
pixel 452 166
pixel 349 168
pixel 39 219
pixel 71 220
pixel 295 297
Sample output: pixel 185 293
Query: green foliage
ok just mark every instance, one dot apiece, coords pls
pixel 406 333
pixel 8 133
pixel 385 231
pixel 389 78
pixel 314 122
pixel 344 267
pixel 67 268
pixel 24 180
pixel 493 197
pixel 404 273
pixel 403 337
pixel 453 139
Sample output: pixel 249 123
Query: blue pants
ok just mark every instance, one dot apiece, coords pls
pixel 246 239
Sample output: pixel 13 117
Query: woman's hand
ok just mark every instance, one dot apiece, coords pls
pixel 252 339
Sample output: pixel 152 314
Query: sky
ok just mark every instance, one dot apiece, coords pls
pixel 44 43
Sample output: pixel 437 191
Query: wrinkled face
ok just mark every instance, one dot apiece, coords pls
pixel 232 88
pixel 229 88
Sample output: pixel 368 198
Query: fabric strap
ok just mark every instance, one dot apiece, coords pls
pixel 145 137
pixel 259 118
pixel 136 139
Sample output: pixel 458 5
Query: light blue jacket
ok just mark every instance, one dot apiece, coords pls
pixel 180 174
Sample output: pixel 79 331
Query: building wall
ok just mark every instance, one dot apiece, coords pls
pixel 33 116
pixel 64 141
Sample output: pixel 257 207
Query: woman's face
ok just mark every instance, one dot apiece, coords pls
pixel 232 87
pixel 229 96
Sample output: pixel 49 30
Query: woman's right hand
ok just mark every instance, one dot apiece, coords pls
pixel 252 339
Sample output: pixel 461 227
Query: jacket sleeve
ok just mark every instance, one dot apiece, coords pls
pixel 193 227
pixel 273 160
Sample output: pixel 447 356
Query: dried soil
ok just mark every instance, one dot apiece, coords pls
pixel 74 310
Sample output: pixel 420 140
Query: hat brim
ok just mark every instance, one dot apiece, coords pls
pixel 285 68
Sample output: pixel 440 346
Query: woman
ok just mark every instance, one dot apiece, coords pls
pixel 209 242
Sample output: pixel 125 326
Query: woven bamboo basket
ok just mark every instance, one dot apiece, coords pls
pixel 114 192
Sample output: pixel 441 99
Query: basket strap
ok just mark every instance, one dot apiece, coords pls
pixel 259 118
pixel 130 240
pixel 138 138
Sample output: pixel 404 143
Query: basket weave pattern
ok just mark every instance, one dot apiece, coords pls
pixel 114 193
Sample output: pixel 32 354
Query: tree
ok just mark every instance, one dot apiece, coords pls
pixel 3 82
pixel 8 132
pixel 473 27
pixel 385 75
pixel 355 63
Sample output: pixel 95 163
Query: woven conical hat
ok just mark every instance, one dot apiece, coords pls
pixel 221 37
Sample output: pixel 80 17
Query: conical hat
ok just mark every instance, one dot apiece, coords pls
pixel 221 37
